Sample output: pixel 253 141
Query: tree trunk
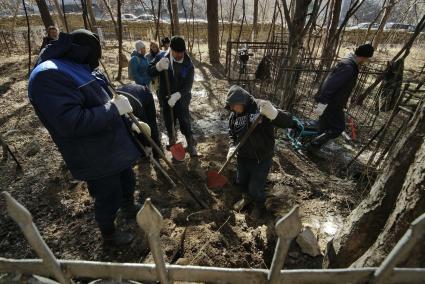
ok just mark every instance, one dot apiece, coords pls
pixel 120 63
pixel 170 12
pixel 329 46
pixel 112 17
pixel 175 19
pixel 44 13
pixel 90 11
pixel 395 200
pixel 60 14
pixel 255 21
pixel 213 32
pixel 380 31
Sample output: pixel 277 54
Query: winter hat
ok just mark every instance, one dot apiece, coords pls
pixel 90 42
pixel 177 44
pixel 165 40
pixel 365 50
pixel 237 95
pixel 139 45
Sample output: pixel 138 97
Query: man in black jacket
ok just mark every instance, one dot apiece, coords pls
pixel 181 73
pixel 254 158
pixel 334 93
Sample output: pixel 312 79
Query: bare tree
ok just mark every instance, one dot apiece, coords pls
pixel 90 11
pixel 28 36
pixel 44 13
pixel 120 54
pixel 388 8
pixel 175 17
pixel 60 14
pixel 255 20
pixel 213 32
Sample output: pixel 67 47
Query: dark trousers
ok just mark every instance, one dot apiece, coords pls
pixel 252 176
pixel 110 193
pixel 181 113
pixel 148 115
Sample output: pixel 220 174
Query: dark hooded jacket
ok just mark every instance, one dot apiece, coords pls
pixel 335 92
pixel 74 105
pixel 180 80
pixel 260 144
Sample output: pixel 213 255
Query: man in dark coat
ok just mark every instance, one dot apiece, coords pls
pixel 334 93
pixel 254 158
pixel 73 102
pixel 181 73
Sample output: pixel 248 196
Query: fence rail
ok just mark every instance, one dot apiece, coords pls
pixel 150 219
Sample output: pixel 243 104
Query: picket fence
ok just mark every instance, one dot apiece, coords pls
pixel 149 219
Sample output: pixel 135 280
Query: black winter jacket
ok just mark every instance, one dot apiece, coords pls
pixel 260 144
pixel 335 92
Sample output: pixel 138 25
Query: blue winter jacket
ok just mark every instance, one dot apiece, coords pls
pixel 74 106
pixel 139 65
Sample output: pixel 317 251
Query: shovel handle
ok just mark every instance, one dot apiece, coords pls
pixel 173 129
pixel 133 118
pixel 242 142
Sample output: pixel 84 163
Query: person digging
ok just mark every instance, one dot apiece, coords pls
pixel 254 157
pixel 175 90
pixel 333 96
pixel 72 100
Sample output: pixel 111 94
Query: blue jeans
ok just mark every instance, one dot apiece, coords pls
pixel 252 176
pixel 110 193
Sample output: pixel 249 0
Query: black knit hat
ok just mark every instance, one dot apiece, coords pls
pixel 365 50
pixel 177 44
pixel 90 41
pixel 165 40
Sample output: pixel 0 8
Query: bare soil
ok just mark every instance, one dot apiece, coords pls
pixel 63 210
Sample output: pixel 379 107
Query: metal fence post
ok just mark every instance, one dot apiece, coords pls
pixel 400 251
pixel 24 219
pixel 150 220
pixel 287 228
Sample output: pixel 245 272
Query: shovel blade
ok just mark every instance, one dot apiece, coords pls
pixel 177 151
pixel 215 180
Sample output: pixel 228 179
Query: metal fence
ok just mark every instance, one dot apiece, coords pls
pixel 149 220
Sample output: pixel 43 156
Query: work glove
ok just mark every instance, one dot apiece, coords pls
pixel 148 151
pixel 162 64
pixel 122 104
pixel 267 109
pixel 232 149
pixel 145 126
pixel 320 108
pixel 174 98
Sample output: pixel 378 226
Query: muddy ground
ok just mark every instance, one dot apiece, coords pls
pixel 63 210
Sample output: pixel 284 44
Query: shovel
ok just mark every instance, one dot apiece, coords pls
pixel 176 148
pixel 215 179
pixel 133 118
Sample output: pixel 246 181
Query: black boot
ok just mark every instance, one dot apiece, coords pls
pixel 259 211
pixel 314 146
pixel 130 209
pixel 191 146
pixel 117 238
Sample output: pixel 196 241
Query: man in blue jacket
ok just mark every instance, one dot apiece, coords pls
pixel 334 93
pixel 73 102
pixel 181 73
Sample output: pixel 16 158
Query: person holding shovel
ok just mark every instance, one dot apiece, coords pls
pixel 254 157
pixel 73 101
pixel 176 73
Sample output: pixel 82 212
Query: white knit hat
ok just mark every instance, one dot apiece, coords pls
pixel 139 45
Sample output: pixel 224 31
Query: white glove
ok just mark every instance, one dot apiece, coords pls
pixel 267 109
pixel 320 109
pixel 122 104
pixel 174 98
pixel 145 126
pixel 162 64
pixel 230 152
